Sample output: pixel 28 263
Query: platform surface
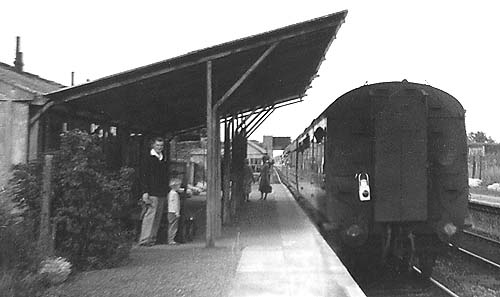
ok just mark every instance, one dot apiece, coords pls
pixel 488 200
pixel 270 249
pixel 289 257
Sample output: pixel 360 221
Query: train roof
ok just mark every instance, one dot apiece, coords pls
pixel 438 98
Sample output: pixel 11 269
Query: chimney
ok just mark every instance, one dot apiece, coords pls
pixel 18 62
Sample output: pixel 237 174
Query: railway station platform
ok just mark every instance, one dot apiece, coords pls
pixel 272 249
pixel 487 200
pixel 283 254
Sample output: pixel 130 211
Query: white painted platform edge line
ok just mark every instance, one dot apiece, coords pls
pixel 487 203
pixel 279 178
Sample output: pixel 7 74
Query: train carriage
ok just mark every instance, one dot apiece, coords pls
pixel 386 167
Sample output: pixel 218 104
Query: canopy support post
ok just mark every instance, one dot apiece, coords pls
pixel 226 211
pixel 217 179
pixel 211 207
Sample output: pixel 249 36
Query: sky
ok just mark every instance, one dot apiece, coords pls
pixel 451 45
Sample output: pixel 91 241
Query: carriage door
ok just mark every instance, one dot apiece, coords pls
pixel 401 157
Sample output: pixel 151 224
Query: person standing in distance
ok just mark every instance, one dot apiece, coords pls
pixel 265 178
pixel 248 180
pixel 154 182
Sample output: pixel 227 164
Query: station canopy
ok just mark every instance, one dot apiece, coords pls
pixel 247 74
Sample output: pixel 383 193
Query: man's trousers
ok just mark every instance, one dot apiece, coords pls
pixel 151 220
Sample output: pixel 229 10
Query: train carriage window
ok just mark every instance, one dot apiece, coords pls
pixel 319 134
pixel 306 142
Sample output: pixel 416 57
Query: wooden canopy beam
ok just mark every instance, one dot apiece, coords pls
pixel 257 125
pixel 256 116
pixel 245 75
pixel 261 116
pixel 40 112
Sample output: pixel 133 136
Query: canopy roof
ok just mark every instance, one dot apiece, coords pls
pixel 247 74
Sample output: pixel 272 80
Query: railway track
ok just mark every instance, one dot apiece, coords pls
pixel 406 284
pixel 438 284
pixel 480 247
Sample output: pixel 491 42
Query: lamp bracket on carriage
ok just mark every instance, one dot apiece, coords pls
pixel 363 186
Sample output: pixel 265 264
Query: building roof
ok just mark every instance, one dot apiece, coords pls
pixel 250 73
pixel 279 143
pixel 23 86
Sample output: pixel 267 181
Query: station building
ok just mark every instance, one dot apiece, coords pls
pixel 20 97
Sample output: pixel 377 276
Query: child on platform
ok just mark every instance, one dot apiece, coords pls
pixel 174 207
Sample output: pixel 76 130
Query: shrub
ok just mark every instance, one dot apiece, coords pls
pixel 21 284
pixel 18 253
pixel 18 247
pixel 85 196
pixel 24 188
pixel 55 270
pixel 491 175
pixel 17 238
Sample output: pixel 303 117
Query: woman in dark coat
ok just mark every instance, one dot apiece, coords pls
pixel 265 179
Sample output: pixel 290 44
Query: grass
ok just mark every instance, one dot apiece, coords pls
pixel 21 284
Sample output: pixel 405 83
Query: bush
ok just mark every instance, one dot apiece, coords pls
pixel 491 175
pixel 18 248
pixel 55 270
pixel 17 236
pixel 24 188
pixel 19 284
pixel 85 197
pixel 18 254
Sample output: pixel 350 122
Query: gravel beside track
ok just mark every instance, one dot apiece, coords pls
pixel 465 277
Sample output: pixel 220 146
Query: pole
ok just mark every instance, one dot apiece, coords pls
pixel 480 167
pixel 45 243
pixel 211 163
pixel 226 217
pixel 233 202
pixel 217 179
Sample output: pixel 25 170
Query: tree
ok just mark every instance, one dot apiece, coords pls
pixel 479 137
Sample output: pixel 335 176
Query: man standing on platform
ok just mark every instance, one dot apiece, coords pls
pixel 154 181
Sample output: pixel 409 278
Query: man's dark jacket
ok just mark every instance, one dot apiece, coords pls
pixel 154 176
